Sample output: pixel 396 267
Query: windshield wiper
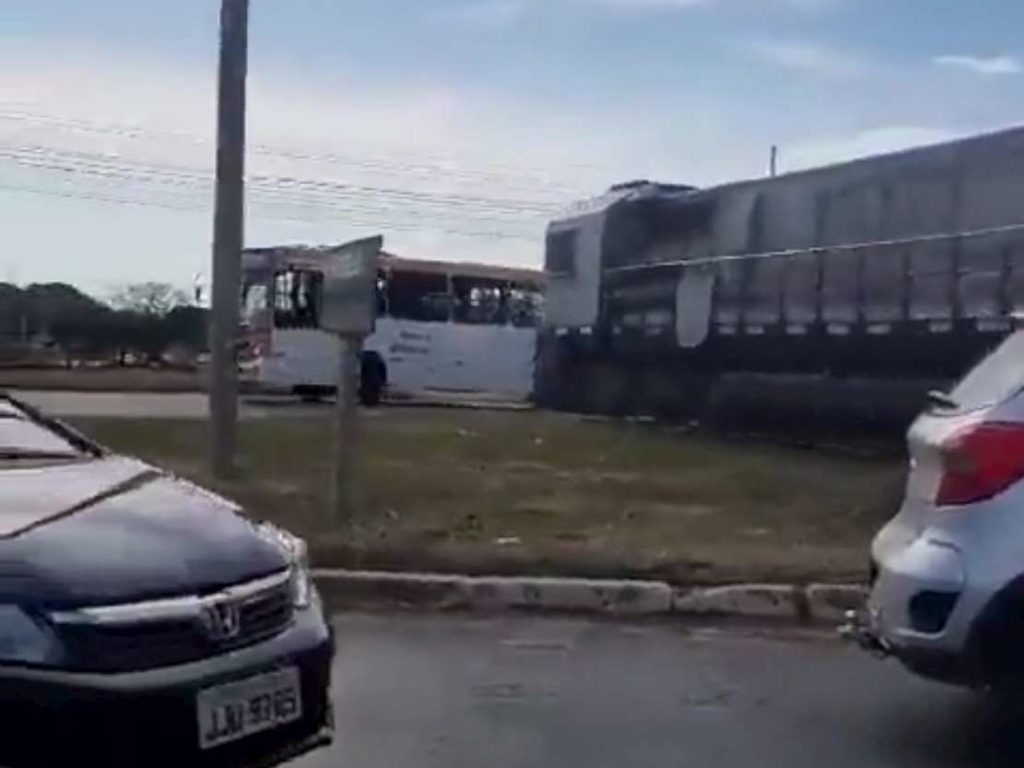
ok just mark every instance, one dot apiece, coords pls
pixel 941 399
pixel 19 454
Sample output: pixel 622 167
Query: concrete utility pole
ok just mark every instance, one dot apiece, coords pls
pixel 228 235
pixel 346 438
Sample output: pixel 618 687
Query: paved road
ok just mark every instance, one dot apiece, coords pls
pixel 184 405
pixel 416 691
pixel 193 405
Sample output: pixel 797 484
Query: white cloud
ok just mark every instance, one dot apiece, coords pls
pixel 802 5
pixel 490 14
pixel 994 65
pixel 641 4
pixel 875 141
pixel 433 138
pixel 435 141
pixel 810 59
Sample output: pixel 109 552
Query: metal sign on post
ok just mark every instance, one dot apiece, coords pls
pixel 349 310
pixel 350 288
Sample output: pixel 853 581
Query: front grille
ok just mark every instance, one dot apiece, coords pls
pixel 54 725
pixel 128 645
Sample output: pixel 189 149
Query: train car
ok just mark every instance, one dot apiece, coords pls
pixel 833 297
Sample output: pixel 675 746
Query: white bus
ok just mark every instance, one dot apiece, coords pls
pixel 443 329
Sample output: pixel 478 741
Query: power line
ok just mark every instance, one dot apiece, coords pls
pixel 492 173
pixel 26 153
pixel 201 208
pixel 87 162
pixel 305 200
pixel 190 190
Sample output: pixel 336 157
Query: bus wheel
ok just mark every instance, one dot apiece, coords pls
pixel 312 394
pixel 372 380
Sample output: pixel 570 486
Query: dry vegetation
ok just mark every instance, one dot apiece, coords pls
pixel 497 492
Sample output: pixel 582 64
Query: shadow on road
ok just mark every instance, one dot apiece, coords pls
pixel 966 729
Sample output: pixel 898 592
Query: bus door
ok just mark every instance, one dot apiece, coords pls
pixel 303 355
pixel 255 333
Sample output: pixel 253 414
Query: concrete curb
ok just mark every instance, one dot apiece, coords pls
pixel 820 603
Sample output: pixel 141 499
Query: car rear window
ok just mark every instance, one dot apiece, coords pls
pixel 994 379
pixel 18 433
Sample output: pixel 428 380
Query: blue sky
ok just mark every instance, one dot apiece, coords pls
pixel 455 127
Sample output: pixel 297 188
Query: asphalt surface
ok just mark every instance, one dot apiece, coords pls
pixel 194 405
pixel 183 405
pixel 459 692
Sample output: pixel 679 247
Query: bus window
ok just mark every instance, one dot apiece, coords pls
pixel 479 301
pixel 525 306
pixel 419 296
pixel 297 299
pixel 254 304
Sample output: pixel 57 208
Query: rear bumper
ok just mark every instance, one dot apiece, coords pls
pixel 933 663
pixel 948 600
pixel 923 609
pixel 149 718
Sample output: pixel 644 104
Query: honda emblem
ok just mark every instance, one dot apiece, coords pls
pixel 222 621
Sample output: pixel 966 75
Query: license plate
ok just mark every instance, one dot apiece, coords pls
pixel 235 710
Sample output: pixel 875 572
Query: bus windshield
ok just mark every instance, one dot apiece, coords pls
pixel 255 302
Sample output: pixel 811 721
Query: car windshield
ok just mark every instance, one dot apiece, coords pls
pixel 998 376
pixel 23 438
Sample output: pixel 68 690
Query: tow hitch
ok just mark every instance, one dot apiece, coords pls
pixel 858 630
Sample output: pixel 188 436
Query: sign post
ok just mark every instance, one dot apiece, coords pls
pixel 349 311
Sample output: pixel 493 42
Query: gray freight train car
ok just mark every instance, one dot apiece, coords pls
pixel 835 296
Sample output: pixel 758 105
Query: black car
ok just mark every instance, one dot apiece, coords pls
pixel 145 621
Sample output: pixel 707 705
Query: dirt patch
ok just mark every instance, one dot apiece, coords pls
pixel 531 492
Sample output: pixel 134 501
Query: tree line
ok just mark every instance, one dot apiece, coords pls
pixel 140 322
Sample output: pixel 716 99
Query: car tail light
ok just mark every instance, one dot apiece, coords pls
pixel 980 462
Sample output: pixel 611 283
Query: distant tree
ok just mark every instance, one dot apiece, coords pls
pixel 139 333
pixel 123 333
pixel 150 317
pixel 145 319
pixel 149 298
pixel 82 332
pixel 45 304
pixel 12 312
pixel 186 326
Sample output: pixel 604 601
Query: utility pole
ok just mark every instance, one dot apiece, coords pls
pixel 228 235
pixel 346 438
pixel 773 163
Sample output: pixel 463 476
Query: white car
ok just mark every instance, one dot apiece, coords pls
pixel 947 594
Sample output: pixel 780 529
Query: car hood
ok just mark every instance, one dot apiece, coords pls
pixel 116 530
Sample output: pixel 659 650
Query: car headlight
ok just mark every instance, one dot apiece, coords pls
pixel 302 586
pixel 295 549
pixel 24 639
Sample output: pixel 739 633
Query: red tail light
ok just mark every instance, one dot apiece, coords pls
pixel 980 462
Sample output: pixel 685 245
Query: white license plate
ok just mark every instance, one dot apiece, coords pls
pixel 235 710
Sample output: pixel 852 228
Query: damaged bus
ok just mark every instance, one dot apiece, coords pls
pixel 444 330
